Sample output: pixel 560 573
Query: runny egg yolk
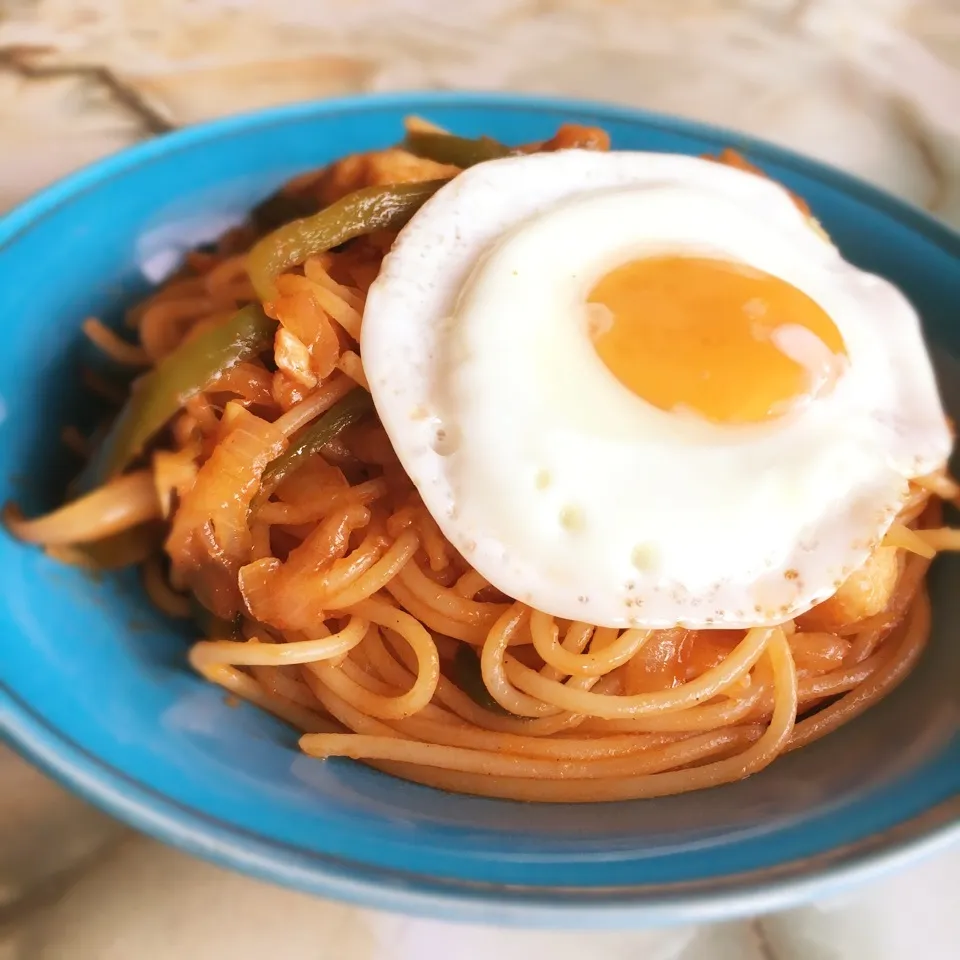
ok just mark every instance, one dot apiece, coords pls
pixel 724 340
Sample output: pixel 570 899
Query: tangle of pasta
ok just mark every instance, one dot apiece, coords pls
pixel 333 600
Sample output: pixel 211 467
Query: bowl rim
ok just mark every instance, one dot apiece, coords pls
pixel 147 809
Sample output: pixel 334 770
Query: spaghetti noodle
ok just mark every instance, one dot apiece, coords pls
pixel 333 600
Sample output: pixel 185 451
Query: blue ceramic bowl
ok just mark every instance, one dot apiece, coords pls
pixel 94 686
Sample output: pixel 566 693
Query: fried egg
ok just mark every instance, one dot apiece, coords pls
pixel 642 389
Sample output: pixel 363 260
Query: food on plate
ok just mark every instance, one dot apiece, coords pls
pixel 546 472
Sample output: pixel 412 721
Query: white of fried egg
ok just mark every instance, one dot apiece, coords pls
pixel 640 389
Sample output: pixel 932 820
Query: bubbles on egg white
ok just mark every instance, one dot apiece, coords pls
pixel 572 518
pixel 644 557
pixel 446 440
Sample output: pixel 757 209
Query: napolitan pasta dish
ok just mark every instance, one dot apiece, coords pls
pixel 549 473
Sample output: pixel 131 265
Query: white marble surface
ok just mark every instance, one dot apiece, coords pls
pixel 869 85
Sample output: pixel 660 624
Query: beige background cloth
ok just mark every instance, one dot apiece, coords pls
pixel 869 85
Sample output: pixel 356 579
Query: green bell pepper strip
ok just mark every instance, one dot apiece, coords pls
pixel 458 151
pixel 344 413
pixel 356 214
pixel 158 395
pixel 468 677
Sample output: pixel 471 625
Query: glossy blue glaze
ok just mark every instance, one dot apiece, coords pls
pixel 94 685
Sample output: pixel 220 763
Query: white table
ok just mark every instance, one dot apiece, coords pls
pixel 869 85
